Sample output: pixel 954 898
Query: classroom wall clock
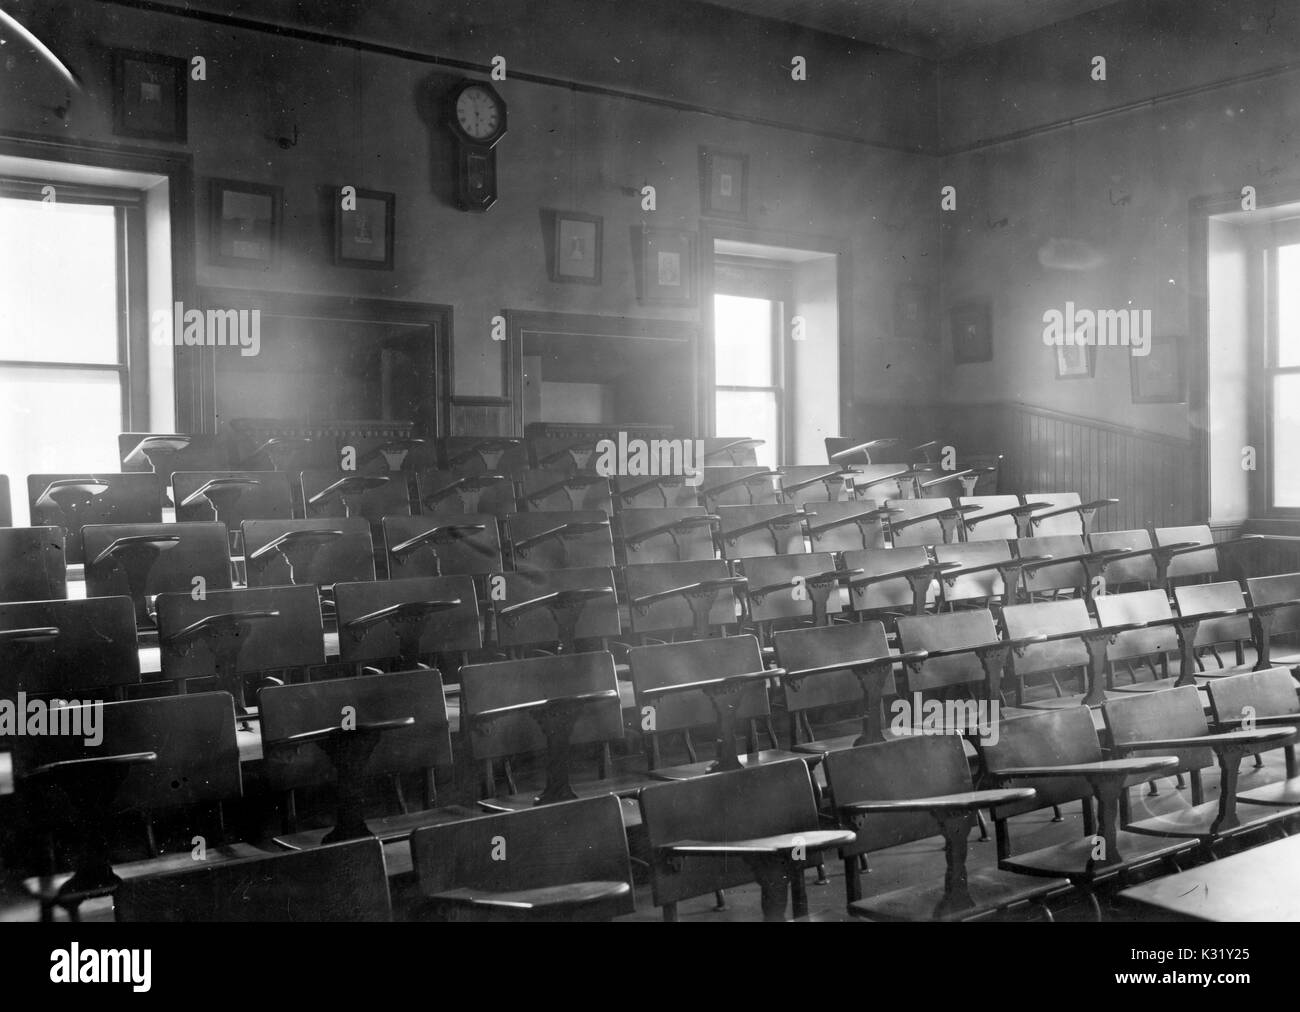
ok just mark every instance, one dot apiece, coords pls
pixel 476 114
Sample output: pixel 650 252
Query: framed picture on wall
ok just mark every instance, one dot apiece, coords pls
pixel 665 261
pixel 1159 377
pixel 149 96
pixel 972 334
pixel 910 316
pixel 1075 361
pixel 575 247
pixel 244 224
pixel 724 182
pixel 363 228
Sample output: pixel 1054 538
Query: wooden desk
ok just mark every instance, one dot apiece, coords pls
pixel 1259 884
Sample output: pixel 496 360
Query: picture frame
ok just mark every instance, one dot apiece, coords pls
pixel 1075 361
pixel 1160 377
pixel 575 247
pixel 150 96
pixel 364 237
pixel 244 224
pixel 972 334
pixel 911 313
pixel 724 183
pixel 666 263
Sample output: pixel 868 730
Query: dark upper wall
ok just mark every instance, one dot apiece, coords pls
pixel 1121 181
pixel 363 118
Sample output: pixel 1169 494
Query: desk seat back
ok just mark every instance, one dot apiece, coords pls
pixel 630 493
pixel 829 489
pixel 1267 693
pixel 95 648
pixel 538 492
pixel 509 683
pixel 752 493
pixel 1170 713
pixel 1139 606
pixel 1193 564
pixel 852 535
pixel 32 566
pixel 550 845
pixel 1049 617
pixel 444 631
pixel 343 560
pixel 1058 576
pixel 762 801
pixel 469 455
pixel 308 706
pixel 293 639
pixel 998 529
pixel 674 613
pixel 342 882
pixel 193 737
pixel 599 616
pixel 570 551
pixel 203 552
pixel 1064 524
pixel 946 631
pixel 892 594
pixel 687 545
pixel 1271 590
pixel 391 499
pixel 777 537
pixel 126 499
pixel 269 499
pixel 694 661
pixel 437 492
pixel 476 553
pixel 921 766
pixel 1141 569
pixel 979 586
pixel 814 648
pixel 1047 738
pixel 1199 598
pixel 776 588
pixel 926 531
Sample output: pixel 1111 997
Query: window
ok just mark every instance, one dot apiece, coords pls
pixel 749 361
pixel 71 293
pixel 1282 366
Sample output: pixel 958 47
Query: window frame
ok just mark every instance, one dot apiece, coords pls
pixel 1284 232
pixel 132 361
pixel 773 282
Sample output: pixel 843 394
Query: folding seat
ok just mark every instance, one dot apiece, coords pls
pixel 653 491
pixel 884 481
pixel 752 825
pixel 693 598
pixel 738 486
pixel 231 497
pixel 72 501
pixel 166 452
pixel 478 454
pixel 405 622
pixel 846 526
pixel 1173 723
pixel 1065 513
pixel 923 522
pixel 986 572
pixel 271 888
pixel 442 544
pixel 934 482
pixel 774 529
pixel 1069 571
pixel 32 566
pixel 908 789
pixel 553 610
pixel 565 862
pixel 232 635
pixel 1057 753
pixel 541 491
pixel 342 494
pixel 718 683
pixel 559 540
pixel 1227 622
pixel 141 561
pixel 148 757
pixel 465 492
pixel 665 534
pixel 727 451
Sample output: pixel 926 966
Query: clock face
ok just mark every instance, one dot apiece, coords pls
pixel 478 113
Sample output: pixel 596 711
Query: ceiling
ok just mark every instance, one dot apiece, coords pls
pixel 931 28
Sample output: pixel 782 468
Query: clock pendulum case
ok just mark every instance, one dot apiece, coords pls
pixel 476 115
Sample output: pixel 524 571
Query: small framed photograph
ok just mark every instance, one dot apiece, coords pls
pixel 1075 361
pixel 910 316
pixel 972 334
pixel 724 183
pixel 149 96
pixel 363 228
pixel 245 224
pixel 576 246
pixel 665 262
pixel 1160 376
